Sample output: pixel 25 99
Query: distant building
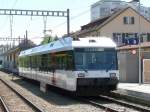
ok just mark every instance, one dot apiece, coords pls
pixel 122 26
pixel 10 56
pixel 106 7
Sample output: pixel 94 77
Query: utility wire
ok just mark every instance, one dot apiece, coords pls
pixel 80 14
pixel 72 18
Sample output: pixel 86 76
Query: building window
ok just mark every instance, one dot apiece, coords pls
pixel 128 20
pixel 125 19
pixel 104 11
pixel 132 20
pixel 131 35
pixel 123 37
pixel 148 37
pixel 117 37
pixel 144 37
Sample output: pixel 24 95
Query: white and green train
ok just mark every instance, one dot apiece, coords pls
pixel 84 65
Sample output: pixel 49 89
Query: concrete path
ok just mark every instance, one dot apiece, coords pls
pixel 134 89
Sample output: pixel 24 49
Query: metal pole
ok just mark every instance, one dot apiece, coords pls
pixel 11 22
pixel 26 36
pixel 45 22
pixel 19 41
pixel 140 76
pixel 68 22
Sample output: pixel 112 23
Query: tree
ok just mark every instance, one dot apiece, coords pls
pixel 56 37
pixel 47 39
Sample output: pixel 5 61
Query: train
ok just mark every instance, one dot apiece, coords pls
pixel 82 66
pixel 1 64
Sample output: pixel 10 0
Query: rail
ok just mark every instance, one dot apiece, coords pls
pixel 107 109
pixel 126 103
pixel 37 109
pixel 4 106
pixel 104 102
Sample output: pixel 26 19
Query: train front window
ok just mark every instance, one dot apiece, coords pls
pixel 98 60
pixel 79 59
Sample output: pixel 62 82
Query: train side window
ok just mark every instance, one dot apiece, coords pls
pixel 44 62
pixel 70 64
pixel 64 60
pixel 0 62
pixel 61 61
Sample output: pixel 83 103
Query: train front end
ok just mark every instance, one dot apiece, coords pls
pixel 96 68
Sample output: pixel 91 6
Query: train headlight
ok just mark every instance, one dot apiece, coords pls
pixel 81 75
pixel 113 75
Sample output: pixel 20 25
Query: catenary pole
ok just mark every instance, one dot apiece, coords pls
pixel 68 22
pixel 139 34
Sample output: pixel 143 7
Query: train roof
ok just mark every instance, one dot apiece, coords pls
pixel 68 43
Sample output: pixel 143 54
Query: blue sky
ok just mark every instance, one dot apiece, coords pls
pixel 34 25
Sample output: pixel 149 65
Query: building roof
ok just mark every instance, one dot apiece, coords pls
pixel 129 47
pixel 95 23
pixel 99 23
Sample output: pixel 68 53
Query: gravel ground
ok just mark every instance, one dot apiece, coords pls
pixel 1 108
pixel 49 101
pixel 13 101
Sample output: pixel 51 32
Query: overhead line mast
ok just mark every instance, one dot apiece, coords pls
pixel 39 13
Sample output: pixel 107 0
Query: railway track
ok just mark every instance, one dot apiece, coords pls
pixel 126 103
pixel 3 106
pixel 113 105
pixel 110 104
pixel 14 101
pixel 129 98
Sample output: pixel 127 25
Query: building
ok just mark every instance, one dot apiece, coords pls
pixel 10 56
pixel 128 58
pixel 122 26
pixel 106 7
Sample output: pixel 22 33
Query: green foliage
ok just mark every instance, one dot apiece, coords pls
pixel 49 39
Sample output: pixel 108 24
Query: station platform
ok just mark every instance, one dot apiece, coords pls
pixel 140 91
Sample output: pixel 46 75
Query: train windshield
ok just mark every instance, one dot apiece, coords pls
pixel 95 59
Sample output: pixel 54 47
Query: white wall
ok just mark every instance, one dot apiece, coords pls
pixel 97 8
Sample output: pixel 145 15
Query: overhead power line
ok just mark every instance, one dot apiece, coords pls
pixel 72 18
pixel 80 14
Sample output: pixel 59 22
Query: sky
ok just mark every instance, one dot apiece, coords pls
pixel 79 15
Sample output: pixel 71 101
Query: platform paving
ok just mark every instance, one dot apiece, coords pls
pixel 141 91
